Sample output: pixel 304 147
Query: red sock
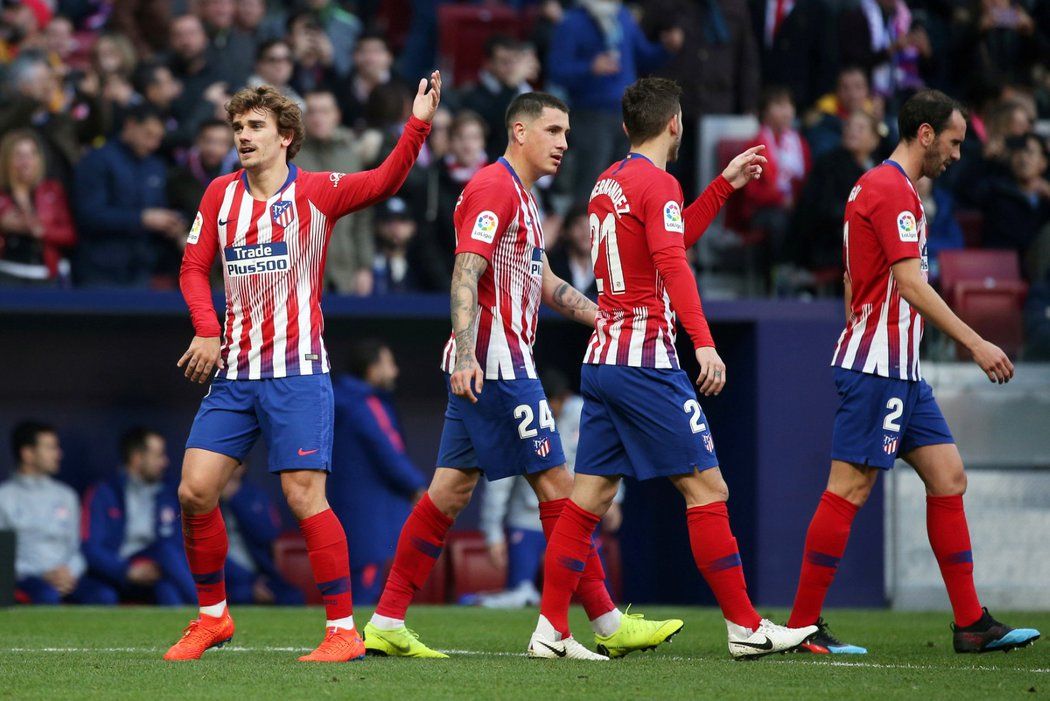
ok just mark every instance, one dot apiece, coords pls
pixel 418 548
pixel 718 559
pixel 568 550
pixel 205 538
pixel 330 562
pixel 825 544
pixel 950 539
pixel 591 591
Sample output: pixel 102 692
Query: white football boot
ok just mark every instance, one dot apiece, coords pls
pixel 547 644
pixel 768 638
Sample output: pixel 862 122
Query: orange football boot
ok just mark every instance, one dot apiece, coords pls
pixel 202 633
pixel 339 645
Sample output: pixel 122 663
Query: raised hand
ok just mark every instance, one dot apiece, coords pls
pixel 426 103
pixel 745 167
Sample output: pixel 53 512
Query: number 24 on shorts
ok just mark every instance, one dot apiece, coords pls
pixel 524 415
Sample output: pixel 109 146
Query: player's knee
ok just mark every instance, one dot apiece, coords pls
pixel 856 493
pixel 951 483
pixel 195 499
pixel 450 499
pixel 304 502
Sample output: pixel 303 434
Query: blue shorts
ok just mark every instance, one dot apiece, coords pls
pixel 510 431
pixel 880 418
pixel 641 423
pixel 294 415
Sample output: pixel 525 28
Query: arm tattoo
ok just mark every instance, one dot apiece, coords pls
pixel 570 302
pixel 468 269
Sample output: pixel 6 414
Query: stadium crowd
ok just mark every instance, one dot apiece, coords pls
pixel 112 122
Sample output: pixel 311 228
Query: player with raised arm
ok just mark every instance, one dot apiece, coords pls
pixel 498 422
pixel 886 409
pixel 272 223
pixel 641 417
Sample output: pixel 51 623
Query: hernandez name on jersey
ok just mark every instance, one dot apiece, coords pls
pixel 884 224
pixel 497 219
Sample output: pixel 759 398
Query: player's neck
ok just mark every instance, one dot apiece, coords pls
pixel 910 159
pixel 265 182
pixel 655 150
pixel 521 168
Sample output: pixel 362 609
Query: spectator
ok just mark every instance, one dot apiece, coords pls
pixel 501 79
pixel 768 203
pixel 371 69
pixel 22 24
pixel 331 147
pixel 1002 40
pixel 395 230
pixel 373 483
pixel 132 536
pixel 36 227
pixel 597 51
pixel 720 64
pixel 253 525
pixel 1017 208
pixel 189 64
pixel 208 159
pixel 824 123
pixel 145 22
pixel 878 36
pixel 989 159
pixel 274 66
pixel 255 18
pixel 105 92
pixel 160 90
pixel 943 232
pixel 230 50
pixel 795 50
pixel 342 29
pixel 34 101
pixel 127 229
pixel 571 258
pixel 816 238
pixel 45 516
pixel 465 157
pixel 311 53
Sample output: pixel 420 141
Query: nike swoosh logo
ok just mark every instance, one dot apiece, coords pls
pixel 556 651
pixel 403 649
pixel 222 222
pixel 768 645
pixel 307 452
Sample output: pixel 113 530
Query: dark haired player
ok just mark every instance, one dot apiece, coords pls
pixel 272 223
pixel 886 408
pixel 498 422
pixel 640 414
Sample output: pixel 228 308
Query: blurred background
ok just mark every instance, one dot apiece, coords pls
pixel 111 128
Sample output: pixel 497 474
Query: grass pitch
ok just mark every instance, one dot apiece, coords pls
pixel 92 653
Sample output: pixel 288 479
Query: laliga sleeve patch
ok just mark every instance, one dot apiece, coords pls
pixel 673 221
pixel 195 230
pixel 907 228
pixel 485 227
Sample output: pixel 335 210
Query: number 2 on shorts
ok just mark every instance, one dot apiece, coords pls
pixel 523 413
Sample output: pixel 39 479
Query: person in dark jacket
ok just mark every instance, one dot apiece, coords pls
pixel 501 79
pixel 1017 208
pixel 121 207
pixel 570 258
pixel 253 524
pixel 796 51
pixel 373 483
pixel 131 528
pixel 208 159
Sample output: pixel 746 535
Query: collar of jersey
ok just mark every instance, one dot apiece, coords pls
pixel 292 173
pixel 898 166
pixel 510 169
pixel 630 157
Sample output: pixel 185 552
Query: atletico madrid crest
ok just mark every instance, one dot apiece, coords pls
pixel 542 446
pixel 709 443
pixel 889 444
pixel 282 213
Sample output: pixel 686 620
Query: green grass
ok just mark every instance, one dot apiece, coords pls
pixel 78 653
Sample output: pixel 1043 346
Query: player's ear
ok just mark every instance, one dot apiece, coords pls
pixel 626 133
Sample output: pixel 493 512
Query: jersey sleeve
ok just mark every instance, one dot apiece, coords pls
pixel 482 217
pixel 661 213
pixel 895 221
pixel 339 194
pixel 202 243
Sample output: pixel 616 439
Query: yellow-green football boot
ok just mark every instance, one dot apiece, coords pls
pixel 397 643
pixel 636 633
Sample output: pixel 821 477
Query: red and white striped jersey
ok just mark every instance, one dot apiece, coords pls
pixel 884 224
pixel 497 219
pixel 273 257
pixel 635 211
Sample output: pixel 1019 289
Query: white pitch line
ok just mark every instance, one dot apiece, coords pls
pixel 496 653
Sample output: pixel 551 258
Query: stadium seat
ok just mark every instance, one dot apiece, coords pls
pixel 293 562
pixel 986 291
pixel 463 31
pixel 971 221
pixel 472 571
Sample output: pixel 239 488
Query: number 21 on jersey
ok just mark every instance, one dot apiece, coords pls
pixel 604 231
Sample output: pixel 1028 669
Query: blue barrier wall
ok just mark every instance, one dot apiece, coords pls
pixel 97 362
